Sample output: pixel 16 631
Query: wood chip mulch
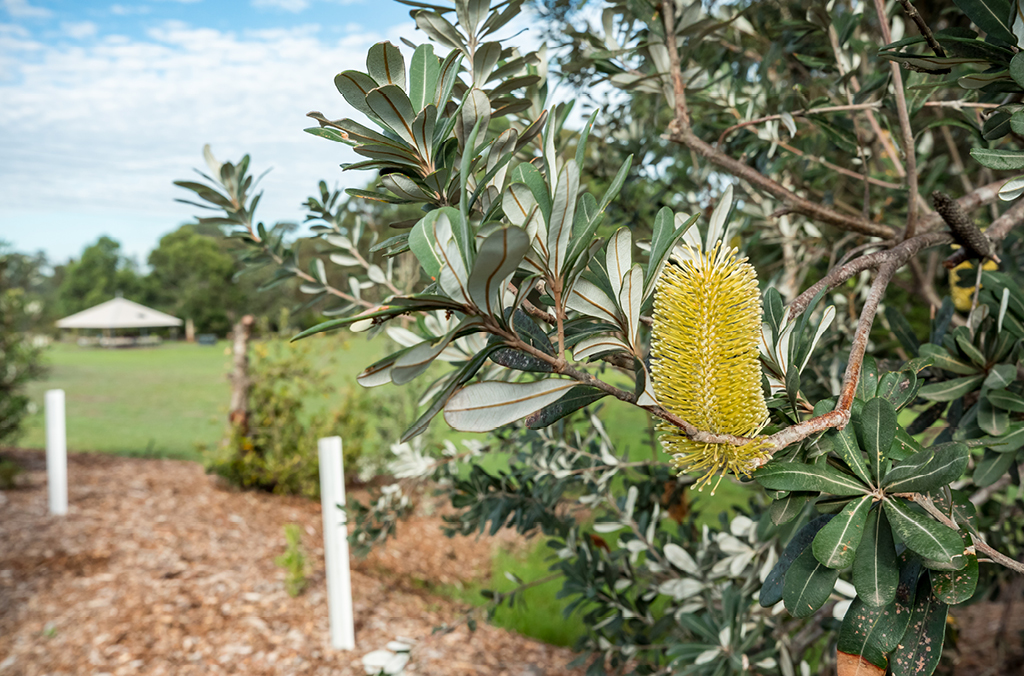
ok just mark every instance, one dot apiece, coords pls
pixel 155 570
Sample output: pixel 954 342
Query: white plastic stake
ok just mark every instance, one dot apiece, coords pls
pixel 56 453
pixel 339 581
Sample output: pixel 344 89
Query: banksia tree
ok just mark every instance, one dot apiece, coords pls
pixel 707 324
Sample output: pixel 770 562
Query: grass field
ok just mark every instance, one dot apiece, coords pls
pixel 166 401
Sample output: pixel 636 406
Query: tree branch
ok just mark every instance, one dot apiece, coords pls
pixel 979 543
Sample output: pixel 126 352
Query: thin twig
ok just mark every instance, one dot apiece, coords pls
pixel 915 16
pixel 979 543
pixel 799 113
pixel 841 170
pixel 909 150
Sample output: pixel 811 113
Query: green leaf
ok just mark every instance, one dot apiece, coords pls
pixel 875 572
pixel 616 185
pixel 999 159
pixel 903 446
pixel 920 648
pixel 877 431
pixel 384 63
pixel 898 387
pixel 836 544
pixel 1000 376
pixel 1009 442
pixel 423 128
pixel 808 585
pixel 956 505
pixel 956 586
pixel 927 470
pixel 329 134
pixel 867 385
pixel 418 359
pixel 446 79
pixel 948 390
pixel 922 534
pixel 391 104
pixel 788 508
pixel 423 71
pixel 963 339
pixel 1006 400
pixel 530 176
pixel 794 476
pixel 440 29
pixel 904 333
pixel 485 406
pixel 379 372
pixel 994 421
pixel 772 589
pixel 844 443
pixel 484 60
pixel 577 398
pixel 1017 72
pixel 992 467
pixel 354 86
pixel 498 257
pixel 943 360
pixel 991 16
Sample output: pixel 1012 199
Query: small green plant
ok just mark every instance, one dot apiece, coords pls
pixel 9 471
pixel 293 561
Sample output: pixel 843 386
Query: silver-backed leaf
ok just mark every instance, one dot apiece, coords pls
pixel 485 406
pixel 497 258
pixel 563 209
pixel 484 60
pixel 391 104
pixel 354 86
pixel 423 131
pixel 404 187
pixel 631 297
pixel 476 109
pixel 593 346
pixel 589 299
pixel 384 63
pixel 619 257
pixel 424 69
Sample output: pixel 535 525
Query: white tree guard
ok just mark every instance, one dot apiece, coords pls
pixel 339 581
pixel 56 453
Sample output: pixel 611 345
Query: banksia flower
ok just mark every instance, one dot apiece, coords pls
pixel 705 369
pixel 963 296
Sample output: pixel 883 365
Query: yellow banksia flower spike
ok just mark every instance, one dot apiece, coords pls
pixel 705 359
pixel 963 296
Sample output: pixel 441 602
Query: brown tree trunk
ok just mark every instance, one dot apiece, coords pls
pixel 240 382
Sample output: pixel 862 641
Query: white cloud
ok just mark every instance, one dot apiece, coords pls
pixel 128 10
pixel 20 9
pixel 286 5
pixel 79 29
pixel 110 123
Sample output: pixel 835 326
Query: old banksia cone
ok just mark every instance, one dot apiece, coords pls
pixel 705 368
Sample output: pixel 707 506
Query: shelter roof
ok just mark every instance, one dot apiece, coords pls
pixel 118 313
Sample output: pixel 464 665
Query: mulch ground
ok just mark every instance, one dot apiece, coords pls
pixel 155 570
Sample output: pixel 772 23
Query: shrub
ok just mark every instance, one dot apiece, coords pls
pixel 293 561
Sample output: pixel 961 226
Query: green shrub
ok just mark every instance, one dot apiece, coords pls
pixel 293 561
pixel 9 471
pixel 279 453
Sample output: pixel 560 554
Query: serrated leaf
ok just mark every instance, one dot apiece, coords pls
pixel 772 589
pixel 948 390
pixel 922 534
pixel 808 585
pixel 875 572
pixel 793 476
pixel 920 648
pixel 836 544
pixel 485 406
pixel 928 470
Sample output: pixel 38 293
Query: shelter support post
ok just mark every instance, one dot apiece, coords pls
pixel 339 581
pixel 56 453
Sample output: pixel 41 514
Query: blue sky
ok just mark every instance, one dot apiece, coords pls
pixel 104 104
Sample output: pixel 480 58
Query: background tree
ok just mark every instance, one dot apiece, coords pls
pixel 100 274
pixel 20 360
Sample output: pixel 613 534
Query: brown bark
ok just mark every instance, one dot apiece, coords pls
pixel 240 382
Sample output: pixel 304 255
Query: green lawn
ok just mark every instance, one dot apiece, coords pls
pixel 165 401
